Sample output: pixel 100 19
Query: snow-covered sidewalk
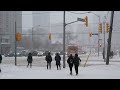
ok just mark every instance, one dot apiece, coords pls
pixel 96 68
pixel 91 71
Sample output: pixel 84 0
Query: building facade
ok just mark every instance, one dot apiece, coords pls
pixel 7 29
pixel 41 18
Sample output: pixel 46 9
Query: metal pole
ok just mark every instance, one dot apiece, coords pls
pixel 64 39
pixel 98 36
pixel 98 43
pixel 15 45
pixel 109 39
pixel 32 39
pixel 104 41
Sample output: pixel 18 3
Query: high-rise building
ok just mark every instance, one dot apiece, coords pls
pixel 41 18
pixel 7 29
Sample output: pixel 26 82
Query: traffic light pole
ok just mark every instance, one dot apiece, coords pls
pixel 64 24
pixel 15 45
pixel 109 39
pixel 104 41
pixel 32 41
pixel 98 43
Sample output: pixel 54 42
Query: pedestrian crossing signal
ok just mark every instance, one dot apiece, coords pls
pixel 90 34
pixel 49 36
pixel 86 21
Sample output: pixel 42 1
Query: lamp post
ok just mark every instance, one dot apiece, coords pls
pixel 109 37
pixel 64 26
pixel 98 31
pixel 104 52
pixel 15 39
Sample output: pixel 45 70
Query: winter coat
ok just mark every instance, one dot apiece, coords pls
pixel 29 59
pixel 0 58
pixel 70 61
pixel 57 59
pixel 76 61
pixel 48 58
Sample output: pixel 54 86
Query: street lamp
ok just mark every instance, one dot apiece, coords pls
pixel 98 30
pixel 64 26
pixel 32 36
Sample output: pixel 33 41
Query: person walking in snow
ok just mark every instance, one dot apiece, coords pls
pixel 70 63
pixel 58 59
pixel 29 59
pixel 119 53
pixel 76 63
pixel 0 61
pixel 48 58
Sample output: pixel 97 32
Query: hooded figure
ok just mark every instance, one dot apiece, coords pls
pixel 70 63
pixel 48 58
pixel 29 59
pixel 0 61
pixel 76 63
pixel 58 59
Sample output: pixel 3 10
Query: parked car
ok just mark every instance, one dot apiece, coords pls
pixel 84 52
pixel 40 54
pixel 46 53
pixel 24 53
pixel 11 54
pixel 34 53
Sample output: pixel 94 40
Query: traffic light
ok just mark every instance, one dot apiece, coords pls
pixel 49 36
pixel 18 36
pixel 100 27
pixel 107 27
pixel 90 34
pixel 86 21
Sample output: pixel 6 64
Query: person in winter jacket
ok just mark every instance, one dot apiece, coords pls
pixel 0 61
pixel 76 63
pixel 48 58
pixel 70 62
pixel 29 59
pixel 58 59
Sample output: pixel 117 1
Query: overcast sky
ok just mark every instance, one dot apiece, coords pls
pixel 57 17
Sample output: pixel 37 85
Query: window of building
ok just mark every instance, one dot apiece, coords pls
pixel 6 40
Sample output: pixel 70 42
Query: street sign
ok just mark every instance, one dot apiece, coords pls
pixel 95 34
pixel 80 19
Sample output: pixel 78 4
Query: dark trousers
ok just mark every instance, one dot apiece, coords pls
pixel 49 65
pixel 0 69
pixel 29 64
pixel 76 69
pixel 70 66
pixel 58 66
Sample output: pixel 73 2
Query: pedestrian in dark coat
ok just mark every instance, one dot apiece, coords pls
pixel 29 59
pixel 58 59
pixel 76 63
pixel 0 61
pixel 119 53
pixel 48 58
pixel 70 62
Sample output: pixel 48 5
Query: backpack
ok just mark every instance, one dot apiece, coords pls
pixel 0 58
pixel 71 61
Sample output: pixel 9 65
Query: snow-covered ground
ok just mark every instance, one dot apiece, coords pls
pixel 95 69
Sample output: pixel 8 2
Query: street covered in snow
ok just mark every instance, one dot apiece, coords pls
pixel 95 68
